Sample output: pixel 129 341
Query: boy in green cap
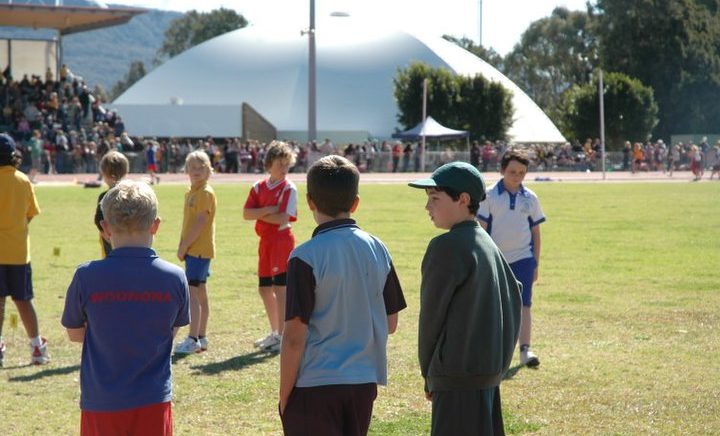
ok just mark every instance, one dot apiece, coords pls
pixel 469 308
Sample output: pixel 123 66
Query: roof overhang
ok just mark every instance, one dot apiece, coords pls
pixel 65 19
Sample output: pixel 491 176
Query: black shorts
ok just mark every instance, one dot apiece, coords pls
pixel 329 410
pixel 16 282
pixel 276 280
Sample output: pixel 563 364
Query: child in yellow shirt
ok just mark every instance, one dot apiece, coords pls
pixel 197 247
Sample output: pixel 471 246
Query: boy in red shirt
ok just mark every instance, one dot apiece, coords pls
pixel 272 202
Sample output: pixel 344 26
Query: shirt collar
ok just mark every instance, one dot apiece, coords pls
pixel 334 224
pixel 467 223
pixel 133 252
pixel 501 188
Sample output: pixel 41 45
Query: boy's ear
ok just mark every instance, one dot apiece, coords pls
pixel 355 204
pixel 310 203
pixel 155 226
pixel 464 199
pixel 106 228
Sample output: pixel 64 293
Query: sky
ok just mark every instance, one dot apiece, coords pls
pixel 504 21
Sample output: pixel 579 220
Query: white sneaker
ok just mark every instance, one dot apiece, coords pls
pixel 529 359
pixel 40 355
pixel 188 346
pixel 274 347
pixel 2 352
pixel 266 341
pixel 203 343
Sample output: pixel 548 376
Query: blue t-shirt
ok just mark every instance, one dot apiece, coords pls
pixel 129 302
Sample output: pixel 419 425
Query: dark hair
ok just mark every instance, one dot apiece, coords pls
pixel 455 195
pixel 332 184
pixel 517 155
pixel 10 159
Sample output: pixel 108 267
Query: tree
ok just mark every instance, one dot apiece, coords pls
pixel 630 110
pixel 485 53
pixel 100 94
pixel 442 94
pixel 475 104
pixel 195 27
pixel 554 53
pixel 135 73
pixel 672 46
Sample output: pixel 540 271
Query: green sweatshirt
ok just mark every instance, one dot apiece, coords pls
pixel 469 311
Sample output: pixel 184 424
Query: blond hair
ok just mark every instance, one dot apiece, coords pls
pixel 278 150
pixel 201 157
pixel 130 207
pixel 114 165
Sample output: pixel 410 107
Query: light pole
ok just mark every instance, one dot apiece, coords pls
pixel 312 81
pixel 601 92
pixel 480 22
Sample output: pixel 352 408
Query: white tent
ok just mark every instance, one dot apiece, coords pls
pixel 200 91
pixel 431 129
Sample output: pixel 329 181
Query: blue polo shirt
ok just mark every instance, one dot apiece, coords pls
pixel 342 284
pixel 130 302
pixel 510 218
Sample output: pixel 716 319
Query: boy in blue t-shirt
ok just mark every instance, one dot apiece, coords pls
pixel 125 310
pixel 511 214
pixel 343 299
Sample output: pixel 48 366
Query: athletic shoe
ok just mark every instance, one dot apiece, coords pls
pixel 274 347
pixel 529 359
pixel 188 346
pixel 266 341
pixel 203 343
pixel 2 353
pixel 40 355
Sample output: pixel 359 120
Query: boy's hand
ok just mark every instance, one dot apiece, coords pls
pixel 271 210
pixel 182 250
pixel 535 274
pixel 428 396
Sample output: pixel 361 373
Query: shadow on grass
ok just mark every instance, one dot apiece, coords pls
pixel 512 371
pixel 234 363
pixel 45 373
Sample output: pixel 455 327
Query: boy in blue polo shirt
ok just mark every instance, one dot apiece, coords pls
pixel 511 214
pixel 125 310
pixel 343 299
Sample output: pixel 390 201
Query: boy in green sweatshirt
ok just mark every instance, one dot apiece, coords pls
pixel 469 308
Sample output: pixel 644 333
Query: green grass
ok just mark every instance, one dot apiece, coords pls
pixel 626 315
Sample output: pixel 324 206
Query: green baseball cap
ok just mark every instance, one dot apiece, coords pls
pixel 458 176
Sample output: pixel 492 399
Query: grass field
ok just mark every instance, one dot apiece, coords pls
pixel 626 316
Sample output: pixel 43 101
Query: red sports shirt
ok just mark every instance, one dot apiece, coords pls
pixel 264 193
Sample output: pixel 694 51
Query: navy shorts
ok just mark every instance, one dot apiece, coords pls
pixel 197 270
pixel 16 282
pixel 524 269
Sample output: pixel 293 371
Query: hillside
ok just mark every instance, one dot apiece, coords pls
pixel 104 56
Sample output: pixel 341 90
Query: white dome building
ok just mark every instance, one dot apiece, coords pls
pixel 202 91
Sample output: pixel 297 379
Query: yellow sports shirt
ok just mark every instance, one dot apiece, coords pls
pixel 17 206
pixel 197 201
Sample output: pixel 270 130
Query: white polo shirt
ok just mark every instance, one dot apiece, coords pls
pixel 510 218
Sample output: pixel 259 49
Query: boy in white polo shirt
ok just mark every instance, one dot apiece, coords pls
pixel 511 214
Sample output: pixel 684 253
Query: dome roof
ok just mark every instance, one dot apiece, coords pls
pixel 200 91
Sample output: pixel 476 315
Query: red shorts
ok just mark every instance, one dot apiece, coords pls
pixel 155 419
pixel 274 252
pixel 152 167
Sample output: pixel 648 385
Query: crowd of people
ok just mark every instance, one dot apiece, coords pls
pixel 62 127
